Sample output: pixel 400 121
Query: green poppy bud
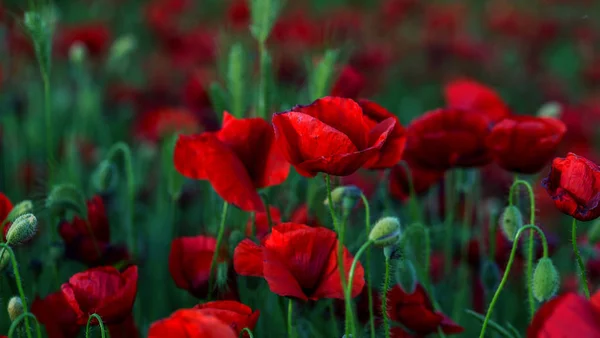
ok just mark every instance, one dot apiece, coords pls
pixel 105 177
pixel 21 208
pixel 545 280
pixel 386 232
pixel 594 233
pixel 4 259
pixel 22 230
pixel 406 275
pixel 345 197
pixel 15 308
pixel 511 221
pixel 67 197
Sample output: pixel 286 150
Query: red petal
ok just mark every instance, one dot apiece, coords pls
pixel 468 94
pixel 5 207
pixel 330 286
pixel 190 323
pixel 189 262
pixel 279 277
pixel 568 315
pixel 248 259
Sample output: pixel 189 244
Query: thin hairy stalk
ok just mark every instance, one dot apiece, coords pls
pixel 213 262
pixel 368 265
pixel 582 272
pixel 100 323
pixel 15 268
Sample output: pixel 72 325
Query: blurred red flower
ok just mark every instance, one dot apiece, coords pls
pixel 237 315
pixel 238 14
pixel 301 215
pixel 95 36
pixel 568 315
pixel 190 323
pixel 349 84
pixel 448 137
pixel 330 135
pixel 154 125
pixel 124 329
pixel 237 160
pixel 574 185
pixel 525 144
pixel 104 291
pixel 56 315
pixel 5 208
pixel 261 222
pixel 298 261
pixel 471 95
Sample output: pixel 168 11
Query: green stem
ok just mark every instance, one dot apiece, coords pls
pixel 15 267
pixel 330 202
pixel 368 265
pixel 262 86
pixel 248 331
pixel 289 318
pixel 579 260
pixel 48 121
pixel 100 323
pixel 341 267
pixel 217 247
pixel 348 296
pixel 448 219
pixel 463 272
pixel 15 324
pixel 507 270
pixel 384 298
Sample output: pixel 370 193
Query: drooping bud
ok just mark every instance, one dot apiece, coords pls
pixel 15 308
pixel 594 233
pixel 67 197
pixel 386 232
pixel 20 209
pixel 4 259
pixel 545 280
pixel 490 276
pixel 345 197
pixel 511 221
pixel 105 177
pixel 22 230
pixel 406 275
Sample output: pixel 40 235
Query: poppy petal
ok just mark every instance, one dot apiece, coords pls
pixel 248 259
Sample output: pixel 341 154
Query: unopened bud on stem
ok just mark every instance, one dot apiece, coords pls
pixel 386 232
pixel 345 197
pixel 511 221
pixel 15 308
pixel 22 230
pixel 545 280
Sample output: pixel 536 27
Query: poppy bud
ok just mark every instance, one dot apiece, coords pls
pixel 67 197
pixel 22 230
pixel 22 208
pixel 345 196
pixel 545 279
pixel 406 276
pixel 511 221
pixel 4 259
pixel 77 53
pixel 594 233
pixel 490 276
pixel 386 232
pixel 550 109
pixel 15 308
pixel 105 177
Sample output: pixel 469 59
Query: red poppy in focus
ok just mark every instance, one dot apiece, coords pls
pixel 153 126
pixel 446 138
pixel 349 84
pixel 237 160
pixel 574 185
pixel 298 261
pixel 104 291
pixel 416 312
pixel 331 135
pixel 422 180
pixel 261 222
pixel 237 315
pixel 190 323
pixel 471 95
pixel 525 144
pixel 94 36
pixel 391 151
pixel 56 315
pixel 568 315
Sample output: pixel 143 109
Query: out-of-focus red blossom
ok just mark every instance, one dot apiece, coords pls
pixel 422 179
pixel 372 58
pixel 296 30
pixel 446 138
pixel 237 315
pixel 331 135
pixel 301 215
pixel 5 207
pixel 261 222
pixel 574 185
pixel 56 315
pixel 298 261
pixel 525 144
pixel 391 152
pixel 94 36
pixel 124 329
pixel 393 12
pixel 349 84
pixel 416 312
pixel 104 291
pixel 237 160
pixel 155 125
pixel 195 47
pixel 161 15
pixel 398 332
pixel 190 323
pixel 238 14
pixel 195 89
pixel 342 24
pixel 568 315
pixel 468 94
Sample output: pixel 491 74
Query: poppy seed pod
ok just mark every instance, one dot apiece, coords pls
pixel 105 177
pixel 545 279
pixel 345 196
pixel 15 308
pixel 22 230
pixel 386 232
pixel 511 221
pixel 22 208
pixel 406 276
pixel 594 233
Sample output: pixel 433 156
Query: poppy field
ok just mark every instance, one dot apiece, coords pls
pixel 299 169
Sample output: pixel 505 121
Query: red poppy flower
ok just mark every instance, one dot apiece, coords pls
pixel 301 215
pixel 391 151
pixel 471 95
pixel 237 315
pixel 153 126
pixel 422 180
pixel 398 332
pixel 525 144
pixel 94 36
pixel 189 263
pixel 568 315
pixel 56 315
pixel 446 138
pixel 297 261
pixel 349 84
pixel 416 312
pixel 331 135
pixel 261 223
pixel 238 14
pixel 104 291
pixel 237 160
pixel 190 323
pixel 574 185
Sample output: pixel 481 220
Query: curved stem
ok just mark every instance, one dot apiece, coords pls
pixel 15 267
pixel 341 267
pixel 15 324
pixel 507 270
pixel 100 323
pixel 217 247
pixel 289 318
pixel 384 298
pixel 368 265
pixel 348 296
pixel 248 331
pixel 579 260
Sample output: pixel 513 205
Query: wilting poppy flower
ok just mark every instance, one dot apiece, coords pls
pixel 568 315
pixel 574 185
pixel 446 138
pixel 422 180
pixel 471 95
pixel 56 315
pixel 349 84
pixel 391 151
pixel 94 36
pixel 237 315
pixel 331 135
pixel 261 222
pixel 237 160
pixel 190 323
pixel 104 291
pixel 525 144
pixel 416 312
pixel 298 261
pixel 154 125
